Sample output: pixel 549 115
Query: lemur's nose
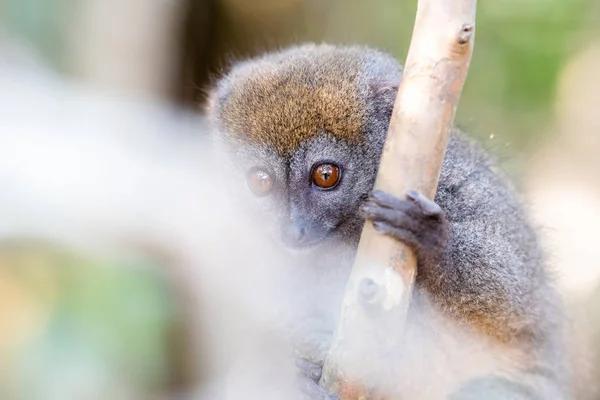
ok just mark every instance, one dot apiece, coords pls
pixel 294 233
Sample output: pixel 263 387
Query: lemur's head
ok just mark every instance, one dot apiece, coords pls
pixel 306 127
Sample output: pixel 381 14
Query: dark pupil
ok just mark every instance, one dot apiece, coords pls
pixel 326 175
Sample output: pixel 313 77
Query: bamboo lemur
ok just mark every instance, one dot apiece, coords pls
pixel 307 125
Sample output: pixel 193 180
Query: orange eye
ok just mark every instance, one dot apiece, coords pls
pixel 326 176
pixel 260 182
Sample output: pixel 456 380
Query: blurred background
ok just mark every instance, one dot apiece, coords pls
pixel 84 324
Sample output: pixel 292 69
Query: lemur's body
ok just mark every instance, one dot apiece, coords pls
pixel 307 125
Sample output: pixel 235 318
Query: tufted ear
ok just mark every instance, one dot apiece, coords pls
pixel 385 88
pixel 217 96
pixel 383 96
pixel 210 106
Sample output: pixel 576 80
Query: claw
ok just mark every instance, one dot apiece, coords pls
pixel 377 195
pixel 428 207
pixel 413 195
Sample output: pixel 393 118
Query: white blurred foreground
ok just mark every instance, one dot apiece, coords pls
pixel 112 175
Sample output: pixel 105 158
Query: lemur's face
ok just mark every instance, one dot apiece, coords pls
pixel 306 128
pixel 314 194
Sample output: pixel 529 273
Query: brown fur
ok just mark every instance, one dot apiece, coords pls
pixel 282 107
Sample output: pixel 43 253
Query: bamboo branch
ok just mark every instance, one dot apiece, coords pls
pixel 369 336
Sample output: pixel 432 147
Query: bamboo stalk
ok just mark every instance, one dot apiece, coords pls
pixel 368 339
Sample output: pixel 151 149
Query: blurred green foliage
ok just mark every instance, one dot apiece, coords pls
pixel 104 325
pixel 43 24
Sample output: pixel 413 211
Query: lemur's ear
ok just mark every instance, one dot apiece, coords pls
pixel 213 106
pixel 383 95
pixel 217 96
pixel 210 107
pixel 385 88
